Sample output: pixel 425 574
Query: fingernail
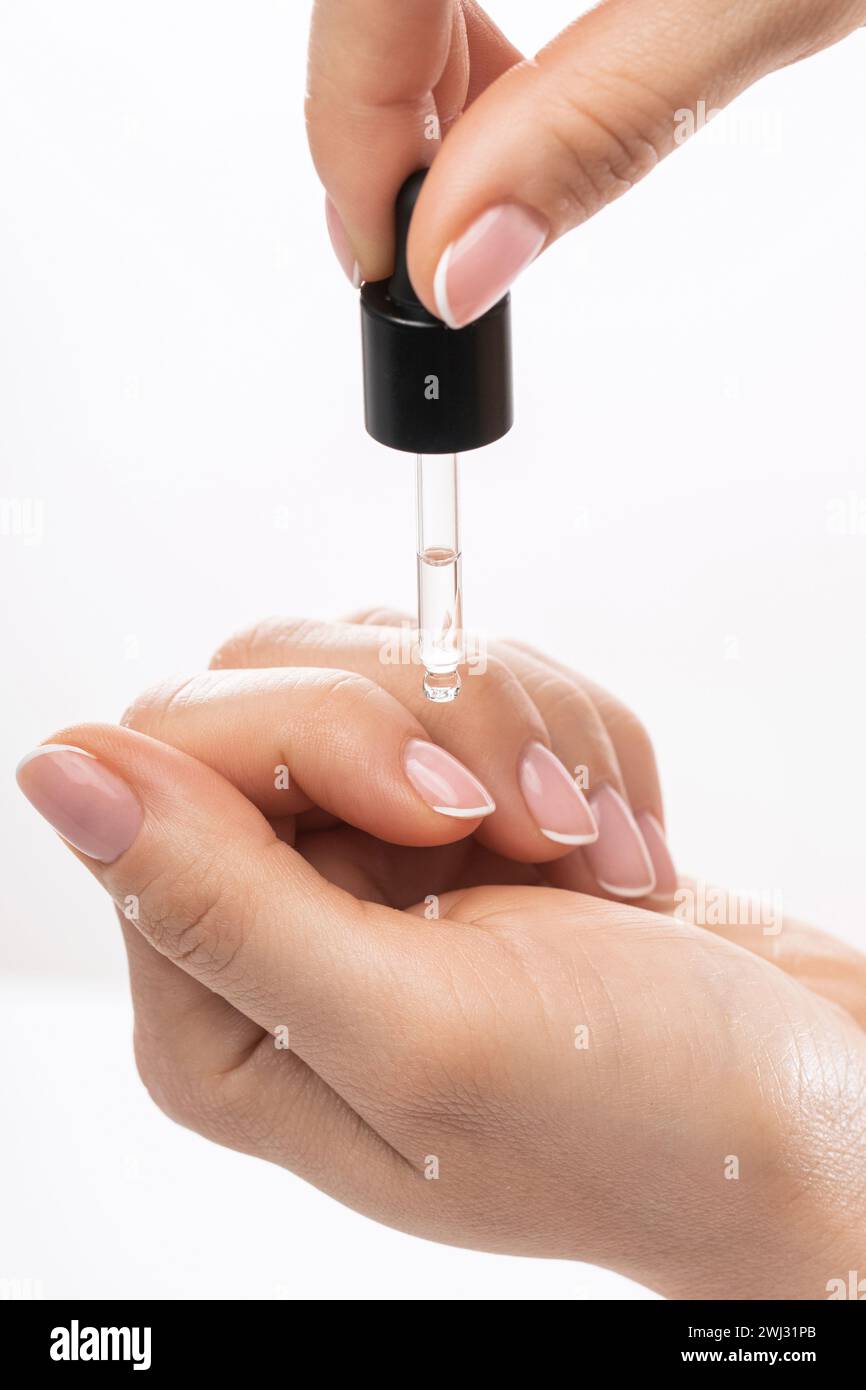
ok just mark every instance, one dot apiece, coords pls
pixel 341 244
pixel 476 269
pixel 555 801
pixel 86 803
pixel 444 783
pixel 619 858
pixel 663 864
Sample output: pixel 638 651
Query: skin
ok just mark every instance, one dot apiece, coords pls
pixel 454 1039
pixel 563 133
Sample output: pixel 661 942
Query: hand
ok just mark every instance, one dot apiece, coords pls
pixel 506 723
pixel 531 1070
pixel 543 145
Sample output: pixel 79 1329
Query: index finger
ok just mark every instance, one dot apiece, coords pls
pixel 291 738
pixel 373 65
pixel 387 79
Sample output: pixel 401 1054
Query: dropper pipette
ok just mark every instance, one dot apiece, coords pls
pixel 435 392
pixel 440 590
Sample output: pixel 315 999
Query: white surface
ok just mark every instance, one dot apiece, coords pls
pixel 180 403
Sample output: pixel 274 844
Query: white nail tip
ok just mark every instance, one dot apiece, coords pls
pixel 356 276
pixel 460 814
pixel 560 839
pixel 620 892
pixel 440 288
pixel 52 748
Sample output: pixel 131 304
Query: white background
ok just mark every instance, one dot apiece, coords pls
pixel 680 511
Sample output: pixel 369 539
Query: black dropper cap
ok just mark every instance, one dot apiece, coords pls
pixel 430 389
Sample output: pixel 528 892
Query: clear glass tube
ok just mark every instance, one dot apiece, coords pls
pixel 440 592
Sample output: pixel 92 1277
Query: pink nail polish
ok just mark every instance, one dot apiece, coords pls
pixel 444 783
pixel 619 859
pixel 663 864
pixel 555 801
pixel 85 803
pixel 341 244
pixel 476 269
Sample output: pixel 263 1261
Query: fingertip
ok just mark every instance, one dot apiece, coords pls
pixel 444 783
pixel 92 808
pixel 478 267
pixel 666 878
pixel 341 244
pixel 554 799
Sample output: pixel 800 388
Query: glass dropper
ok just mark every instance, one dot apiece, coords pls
pixel 440 591
pixel 432 391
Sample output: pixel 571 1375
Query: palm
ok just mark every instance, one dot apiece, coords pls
pixel 402 877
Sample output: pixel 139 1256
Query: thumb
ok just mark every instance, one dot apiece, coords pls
pixel 198 870
pixel 554 140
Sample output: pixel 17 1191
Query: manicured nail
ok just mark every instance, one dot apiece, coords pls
pixel 445 784
pixel 619 858
pixel 340 242
pixel 663 864
pixel 555 801
pixel 86 803
pixel 476 269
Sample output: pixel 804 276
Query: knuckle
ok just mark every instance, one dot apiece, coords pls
pixel 191 918
pixel 246 649
pixel 197 1101
pixel 328 721
pixel 171 1087
pixel 625 726
pixel 150 707
pixel 564 702
pixel 288 1124
pixel 347 690
pixel 560 700
pixel 501 686
pixel 607 145
pixel 377 617
pixel 518 644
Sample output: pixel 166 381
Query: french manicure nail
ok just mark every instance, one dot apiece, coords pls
pixel 619 858
pixel 476 269
pixel 85 802
pixel 663 864
pixel 341 244
pixel 554 800
pixel 445 784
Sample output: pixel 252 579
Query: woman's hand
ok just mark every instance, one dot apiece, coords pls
pixel 565 763
pixel 543 145
pixel 391 1011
